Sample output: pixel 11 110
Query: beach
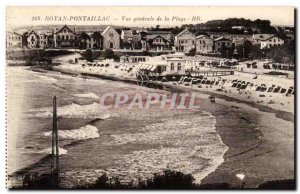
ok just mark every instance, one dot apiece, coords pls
pixel 249 144
pixel 259 149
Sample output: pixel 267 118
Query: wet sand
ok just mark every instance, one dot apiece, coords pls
pixel 260 141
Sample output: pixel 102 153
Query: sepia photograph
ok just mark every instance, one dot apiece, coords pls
pixel 150 98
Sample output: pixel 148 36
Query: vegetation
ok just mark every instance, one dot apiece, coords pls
pixel 97 38
pixel 109 54
pixel 88 55
pixel 256 26
pixel 168 179
pixel 83 37
pixel 191 52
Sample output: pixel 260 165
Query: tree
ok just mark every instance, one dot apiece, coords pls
pixel 284 53
pixel 169 180
pixel 244 49
pixel 88 55
pixel 109 54
pixel 97 37
pixel 191 52
pixel 83 37
pixel 255 52
pixel 24 39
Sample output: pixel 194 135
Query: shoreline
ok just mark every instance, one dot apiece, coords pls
pixel 255 134
pixel 279 113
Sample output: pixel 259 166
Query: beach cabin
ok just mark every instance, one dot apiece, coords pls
pixel 175 66
pixel 134 59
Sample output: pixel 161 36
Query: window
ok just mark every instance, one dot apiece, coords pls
pixel 63 37
pixel 172 66
pixel 67 37
pixel 58 37
pixel 179 67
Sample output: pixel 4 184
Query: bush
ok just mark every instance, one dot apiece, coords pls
pixel 88 55
pixel 169 180
pixel 146 53
pixel 191 52
pixel 109 54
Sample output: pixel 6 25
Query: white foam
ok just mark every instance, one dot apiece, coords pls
pixel 190 145
pixel 61 151
pixel 83 133
pixel 72 111
pixel 87 95
pixel 44 77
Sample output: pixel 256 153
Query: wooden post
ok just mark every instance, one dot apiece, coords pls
pixel 55 151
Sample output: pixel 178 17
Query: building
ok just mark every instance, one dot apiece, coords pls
pixel 158 41
pixel 14 40
pixel 239 41
pixel 32 39
pixel 185 41
pixel 111 38
pixel 43 38
pixel 222 44
pixel 65 38
pixel 126 35
pixel 175 63
pixel 130 39
pixel 175 66
pixel 89 40
pixel 237 27
pixel 136 40
pixel 37 39
pixel 204 44
pixel 267 40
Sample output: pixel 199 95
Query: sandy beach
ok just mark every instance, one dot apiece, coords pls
pixel 260 150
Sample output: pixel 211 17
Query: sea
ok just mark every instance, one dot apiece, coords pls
pixel 93 140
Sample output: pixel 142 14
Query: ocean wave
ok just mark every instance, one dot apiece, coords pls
pixel 190 145
pixel 61 151
pixel 44 77
pixel 87 95
pixel 72 111
pixel 82 133
pixel 168 131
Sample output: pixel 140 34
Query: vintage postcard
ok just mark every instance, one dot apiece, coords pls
pixel 150 97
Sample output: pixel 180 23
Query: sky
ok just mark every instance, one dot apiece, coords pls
pixel 142 16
